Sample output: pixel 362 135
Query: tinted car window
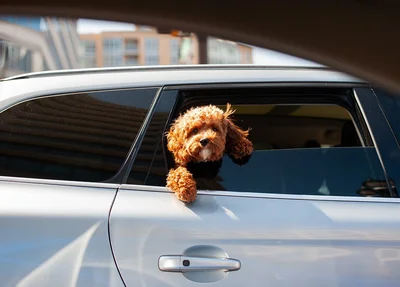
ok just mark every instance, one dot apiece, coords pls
pixel 82 137
pixel 390 104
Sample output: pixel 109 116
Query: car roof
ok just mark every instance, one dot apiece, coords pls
pixel 205 69
pixel 27 86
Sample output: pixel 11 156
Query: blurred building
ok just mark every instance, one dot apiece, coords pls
pixel 32 44
pixel 228 52
pixel 145 46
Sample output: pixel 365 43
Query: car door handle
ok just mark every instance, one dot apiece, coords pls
pixel 179 263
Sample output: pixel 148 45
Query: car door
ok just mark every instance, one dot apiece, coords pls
pixel 312 207
pixel 59 158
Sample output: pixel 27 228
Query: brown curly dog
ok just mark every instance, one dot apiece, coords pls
pixel 202 135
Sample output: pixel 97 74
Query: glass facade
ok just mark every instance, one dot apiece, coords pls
pixel 28 22
pixel 48 44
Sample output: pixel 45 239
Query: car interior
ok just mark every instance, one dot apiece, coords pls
pixel 298 126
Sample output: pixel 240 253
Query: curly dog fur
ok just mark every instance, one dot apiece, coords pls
pixel 203 135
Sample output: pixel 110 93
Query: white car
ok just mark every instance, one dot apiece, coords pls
pixel 83 165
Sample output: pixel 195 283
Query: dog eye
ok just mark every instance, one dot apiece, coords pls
pixel 214 129
pixel 195 131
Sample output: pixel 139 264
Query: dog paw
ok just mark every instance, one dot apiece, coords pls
pixel 182 183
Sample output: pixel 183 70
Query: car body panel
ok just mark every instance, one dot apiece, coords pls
pixel 55 233
pixel 280 240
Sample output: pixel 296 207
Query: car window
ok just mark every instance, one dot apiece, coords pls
pixel 80 137
pixel 299 148
pixel 390 104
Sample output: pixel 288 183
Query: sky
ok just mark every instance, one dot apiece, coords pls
pixel 260 56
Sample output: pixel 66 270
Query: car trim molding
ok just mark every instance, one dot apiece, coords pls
pixel 26 180
pixel 148 188
pixel 161 189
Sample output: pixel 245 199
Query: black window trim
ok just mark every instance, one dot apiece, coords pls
pixel 288 84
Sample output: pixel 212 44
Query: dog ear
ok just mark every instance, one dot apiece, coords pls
pixel 238 146
pixel 175 145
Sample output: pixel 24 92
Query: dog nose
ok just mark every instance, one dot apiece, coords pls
pixel 204 141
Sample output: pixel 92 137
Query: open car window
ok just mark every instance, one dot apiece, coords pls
pixel 303 146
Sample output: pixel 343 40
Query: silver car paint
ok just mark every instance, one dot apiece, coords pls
pixel 280 240
pixel 14 91
pixel 55 233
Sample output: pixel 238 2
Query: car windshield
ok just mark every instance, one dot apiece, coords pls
pixel 35 44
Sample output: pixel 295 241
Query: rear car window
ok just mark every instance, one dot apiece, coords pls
pixel 79 137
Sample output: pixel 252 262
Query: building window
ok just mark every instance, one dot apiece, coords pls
pixel 112 46
pixel 131 46
pixel 89 54
pixel 112 52
pixel 89 48
pixel 18 58
pixel 174 48
pixel 151 50
pixel 151 44
pixel 151 60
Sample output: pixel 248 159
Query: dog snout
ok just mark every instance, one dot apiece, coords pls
pixel 204 141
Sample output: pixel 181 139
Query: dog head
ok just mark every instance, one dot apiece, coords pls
pixel 204 134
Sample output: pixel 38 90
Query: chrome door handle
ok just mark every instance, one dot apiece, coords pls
pixel 179 263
